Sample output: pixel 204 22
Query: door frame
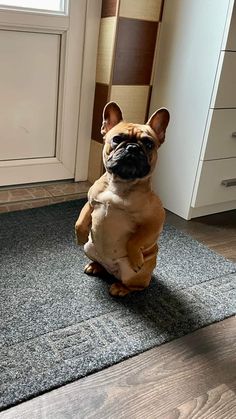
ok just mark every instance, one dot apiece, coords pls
pixel 88 83
pixel 74 110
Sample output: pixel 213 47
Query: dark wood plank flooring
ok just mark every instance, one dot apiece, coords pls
pixel 217 231
pixel 190 377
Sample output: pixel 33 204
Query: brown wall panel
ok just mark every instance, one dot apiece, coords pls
pixel 136 40
pixel 109 8
pixel 127 41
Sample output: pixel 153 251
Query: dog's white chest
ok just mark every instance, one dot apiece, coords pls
pixel 111 224
pixel 111 209
pixel 109 198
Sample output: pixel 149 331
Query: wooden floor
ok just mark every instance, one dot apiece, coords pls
pixel 190 377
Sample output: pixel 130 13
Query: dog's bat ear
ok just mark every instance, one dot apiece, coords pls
pixel 112 115
pixel 159 122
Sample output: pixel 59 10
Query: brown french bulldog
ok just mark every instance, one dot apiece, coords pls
pixel 123 218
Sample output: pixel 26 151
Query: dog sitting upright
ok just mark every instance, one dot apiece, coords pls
pixel 123 218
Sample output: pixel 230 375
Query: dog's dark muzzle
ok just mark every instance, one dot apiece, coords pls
pixel 129 163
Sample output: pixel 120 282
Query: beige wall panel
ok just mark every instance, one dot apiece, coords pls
pixel 132 100
pixel 139 9
pixel 105 49
pixel 95 161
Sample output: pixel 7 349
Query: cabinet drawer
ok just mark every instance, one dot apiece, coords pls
pixel 208 186
pixel 220 135
pixel 224 94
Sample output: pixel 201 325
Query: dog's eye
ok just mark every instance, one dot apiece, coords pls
pixel 117 139
pixel 148 144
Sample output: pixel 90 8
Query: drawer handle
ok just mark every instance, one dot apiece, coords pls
pixel 234 134
pixel 229 182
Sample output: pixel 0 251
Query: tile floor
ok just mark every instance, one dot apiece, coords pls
pixel 19 198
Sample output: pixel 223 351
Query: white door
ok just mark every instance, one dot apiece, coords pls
pixel 41 52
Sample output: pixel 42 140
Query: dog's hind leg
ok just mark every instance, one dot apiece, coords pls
pixel 95 269
pixel 136 282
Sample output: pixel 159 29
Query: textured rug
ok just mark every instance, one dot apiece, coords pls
pixel 57 324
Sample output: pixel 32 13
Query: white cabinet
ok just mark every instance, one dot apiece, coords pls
pixel 214 184
pixel 195 79
pixel 224 95
pixel 220 135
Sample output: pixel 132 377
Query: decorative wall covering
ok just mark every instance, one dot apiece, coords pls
pixel 126 50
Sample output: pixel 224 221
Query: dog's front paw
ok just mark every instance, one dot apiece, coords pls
pixel 81 234
pixel 136 260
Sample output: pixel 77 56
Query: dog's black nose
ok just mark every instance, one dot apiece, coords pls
pixel 132 147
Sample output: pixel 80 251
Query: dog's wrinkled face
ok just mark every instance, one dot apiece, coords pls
pixel 130 150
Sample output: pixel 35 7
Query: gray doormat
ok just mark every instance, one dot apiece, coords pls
pixel 57 324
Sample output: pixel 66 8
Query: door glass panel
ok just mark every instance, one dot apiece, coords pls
pixel 29 94
pixel 49 5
